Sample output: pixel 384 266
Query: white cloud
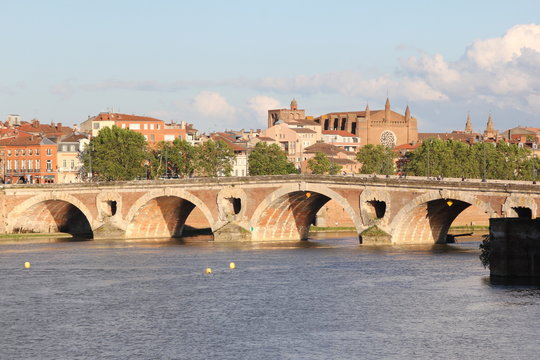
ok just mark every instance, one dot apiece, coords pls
pixel 494 52
pixel 212 104
pixel 260 105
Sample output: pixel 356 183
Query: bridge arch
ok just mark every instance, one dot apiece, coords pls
pixel 163 213
pixel 427 218
pixel 286 213
pixel 51 212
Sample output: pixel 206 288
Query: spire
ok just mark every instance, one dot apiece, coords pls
pixel 489 123
pixel 387 110
pixel 468 125
pixel 294 104
pixel 489 132
pixel 367 112
pixel 407 113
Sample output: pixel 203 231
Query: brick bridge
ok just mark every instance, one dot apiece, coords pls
pixel 411 210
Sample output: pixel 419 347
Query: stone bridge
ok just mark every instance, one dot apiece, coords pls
pixel 260 208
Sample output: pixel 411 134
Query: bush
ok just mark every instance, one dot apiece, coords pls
pixel 485 250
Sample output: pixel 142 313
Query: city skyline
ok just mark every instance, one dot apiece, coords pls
pixel 222 66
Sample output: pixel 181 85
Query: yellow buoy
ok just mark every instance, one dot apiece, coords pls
pixel 27 265
pixel 449 202
pixel 208 270
pixel 232 265
pixel 308 195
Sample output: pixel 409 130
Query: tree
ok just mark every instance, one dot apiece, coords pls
pixel 116 154
pixel 321 164
pixel 214 158
pixel 376 159
pixel 183 157
pixel 484 160
pixel 269 160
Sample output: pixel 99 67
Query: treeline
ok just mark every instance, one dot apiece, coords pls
pixel 122 154
pixel 450 158
pixel 482 160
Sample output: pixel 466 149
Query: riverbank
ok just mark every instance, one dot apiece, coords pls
pixel 33 235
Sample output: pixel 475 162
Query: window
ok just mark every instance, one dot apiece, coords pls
pixel 30 165
pixel 29 151
pixel 49 165
pixel 23 152
pixel 96 125
pixel 151 126
pixel 72 164
pixel 9 165
pixel 135 126
pixel 15 165
pixel 157 126
pixel 64 147
pixel 49 152
pixel 37 151
pixel 123 126
pixel 64 163
pixel 16 152
pixel 152 138
pixel 169 138
pixel 23 165
pixel 145 126
pixel 72 148
pixel 38 165
pixel 9 152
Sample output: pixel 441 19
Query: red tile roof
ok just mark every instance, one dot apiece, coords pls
pixel 338 132
pixel 105 116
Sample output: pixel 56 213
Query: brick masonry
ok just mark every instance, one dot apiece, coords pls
pixel 412 210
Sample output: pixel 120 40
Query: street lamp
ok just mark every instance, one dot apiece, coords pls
pixel 484 160
pixel 534 168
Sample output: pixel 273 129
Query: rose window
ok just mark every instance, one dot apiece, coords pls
pixel 388 139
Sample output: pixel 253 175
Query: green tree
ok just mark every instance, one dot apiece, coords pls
pixel 214 158
pixel 481 160
pixel 445 158
pixel 321 164
pixel 116 154
pixel 183 157
pixel 376 159
pixel 269 160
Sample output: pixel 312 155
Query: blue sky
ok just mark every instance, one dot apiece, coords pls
pixel 222 64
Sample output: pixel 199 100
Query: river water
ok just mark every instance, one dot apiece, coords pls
pixel 328 298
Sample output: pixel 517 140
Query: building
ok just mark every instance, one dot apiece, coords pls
pixel 154 130
pixel 240 149
pixel 341 138
pixel 68 158
pixel 28 158
pixel 375 127
pixel 51 131
pixel 346 159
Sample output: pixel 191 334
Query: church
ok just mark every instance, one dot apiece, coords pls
pixel 374 127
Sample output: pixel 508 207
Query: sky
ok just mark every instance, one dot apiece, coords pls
pixel 222 64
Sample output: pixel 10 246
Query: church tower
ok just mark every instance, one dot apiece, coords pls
pixel 294 104
pixel 489 132
pixel 468 125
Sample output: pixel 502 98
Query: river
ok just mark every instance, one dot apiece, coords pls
pixel 327 298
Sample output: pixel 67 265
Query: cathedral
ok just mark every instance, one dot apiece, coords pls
pixel 375 127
